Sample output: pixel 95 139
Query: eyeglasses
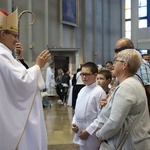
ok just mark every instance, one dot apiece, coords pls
pixel 13 34
pixel 85 74
pixel 117 50
pixel 118 61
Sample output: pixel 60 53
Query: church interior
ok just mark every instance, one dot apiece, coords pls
pixel 75 32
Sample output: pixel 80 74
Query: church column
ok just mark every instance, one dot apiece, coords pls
pixel 61 28
pixel 10 5
pixel 134 22
pixel 95 53
pixel 46 24
pixel 30 42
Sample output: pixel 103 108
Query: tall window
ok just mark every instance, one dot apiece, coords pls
pixel 144 15
pixel 128 19
pixel 143 18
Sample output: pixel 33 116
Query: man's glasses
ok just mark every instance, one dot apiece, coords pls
pixel 117 50
pixel 85 74
pixel 13 34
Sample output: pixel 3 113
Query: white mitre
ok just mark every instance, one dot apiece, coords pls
pixel 9 21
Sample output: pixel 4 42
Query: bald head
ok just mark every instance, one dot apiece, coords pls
pixel 123 43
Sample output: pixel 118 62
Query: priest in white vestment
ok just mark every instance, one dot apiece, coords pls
pixel 22 124
pixel 50 80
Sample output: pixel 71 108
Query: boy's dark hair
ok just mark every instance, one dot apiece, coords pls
pixel 92 66
pixel 106 73
pixel 110 62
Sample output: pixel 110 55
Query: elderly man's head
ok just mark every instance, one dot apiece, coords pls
pixel 122 44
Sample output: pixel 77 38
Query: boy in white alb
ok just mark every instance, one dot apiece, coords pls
pixel 87 107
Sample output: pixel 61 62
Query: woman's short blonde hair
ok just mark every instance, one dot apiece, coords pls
pixel 132 57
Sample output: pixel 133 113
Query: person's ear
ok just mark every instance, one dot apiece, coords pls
pixel 2 34
pixel 109 81
pixel 125 65
pixel 95 74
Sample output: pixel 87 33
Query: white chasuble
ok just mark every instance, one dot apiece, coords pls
pixel 20 88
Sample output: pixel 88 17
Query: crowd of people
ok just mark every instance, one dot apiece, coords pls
pixel 111 105
pixel 112 100
pixel 123 123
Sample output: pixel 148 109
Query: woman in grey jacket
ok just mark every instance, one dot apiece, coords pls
pixel 126 110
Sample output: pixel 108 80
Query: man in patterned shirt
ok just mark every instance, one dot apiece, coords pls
pixel 144 70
